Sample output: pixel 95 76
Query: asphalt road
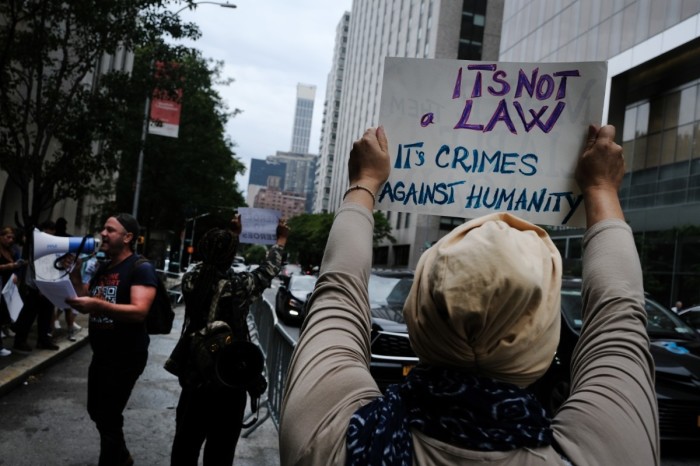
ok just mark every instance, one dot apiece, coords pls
pixel 45 422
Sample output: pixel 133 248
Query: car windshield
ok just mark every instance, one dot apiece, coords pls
pixel 661 322
pixel 302 283
pixel 388 290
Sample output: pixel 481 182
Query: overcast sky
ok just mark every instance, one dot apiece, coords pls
pixel 268 46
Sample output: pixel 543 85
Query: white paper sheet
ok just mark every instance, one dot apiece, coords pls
pixel 14 302
pixel 57 291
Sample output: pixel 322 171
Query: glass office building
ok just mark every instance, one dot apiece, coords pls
pixel 653 99
pixel 303 116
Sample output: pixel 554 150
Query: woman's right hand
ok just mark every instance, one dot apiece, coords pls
pixel 369 163
pixel 599 174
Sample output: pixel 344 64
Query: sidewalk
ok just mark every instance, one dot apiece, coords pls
pixel 18 367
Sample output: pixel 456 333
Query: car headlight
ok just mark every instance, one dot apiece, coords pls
pixel 293 302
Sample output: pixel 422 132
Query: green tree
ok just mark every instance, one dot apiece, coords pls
pixel 193 173
pixel 255 254
pixel 54 107
pixel 309 235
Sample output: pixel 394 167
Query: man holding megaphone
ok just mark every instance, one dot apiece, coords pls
pixel 118 299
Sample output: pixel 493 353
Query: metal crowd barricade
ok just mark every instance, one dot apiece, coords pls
pixel 277 346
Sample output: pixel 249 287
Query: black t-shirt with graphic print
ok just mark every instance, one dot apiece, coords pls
pixel 106 334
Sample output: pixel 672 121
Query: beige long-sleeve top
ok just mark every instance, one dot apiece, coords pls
pixel 609 419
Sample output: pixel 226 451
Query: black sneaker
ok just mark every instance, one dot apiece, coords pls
pixel 22 347
pixel 49 345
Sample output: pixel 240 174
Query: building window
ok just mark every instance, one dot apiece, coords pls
pixel 448 223
pixel 407 223
pixel 398 221
pixel 659 137
pixel 401 254
pixel 380 256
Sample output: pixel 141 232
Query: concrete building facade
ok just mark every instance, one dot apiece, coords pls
pixel 467 29
pixel 331 113
pixel 288 203
pixel 653 99
pixel 287 172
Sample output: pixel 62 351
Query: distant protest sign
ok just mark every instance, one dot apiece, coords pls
pixel 471 138
pixel 259 225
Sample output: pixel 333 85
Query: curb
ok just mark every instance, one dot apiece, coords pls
pixel 18 372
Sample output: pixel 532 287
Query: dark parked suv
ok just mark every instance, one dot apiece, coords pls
pixel 675 348
pixel 392 356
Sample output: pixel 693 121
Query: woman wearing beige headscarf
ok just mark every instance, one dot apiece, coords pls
pixel 483 317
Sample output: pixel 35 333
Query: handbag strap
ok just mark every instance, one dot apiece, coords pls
pixel 214 306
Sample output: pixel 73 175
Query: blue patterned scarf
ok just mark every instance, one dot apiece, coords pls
pixel 461 409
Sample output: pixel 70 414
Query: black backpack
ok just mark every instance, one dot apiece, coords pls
pixel 159 320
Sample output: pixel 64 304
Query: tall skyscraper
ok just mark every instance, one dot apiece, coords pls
pixel 303 115
pixel 400 28
pixel 329 126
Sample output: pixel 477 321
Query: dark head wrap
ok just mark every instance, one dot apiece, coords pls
pixel 218 247
pixel 130 224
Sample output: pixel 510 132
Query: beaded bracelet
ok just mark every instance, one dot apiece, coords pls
pixel 356 187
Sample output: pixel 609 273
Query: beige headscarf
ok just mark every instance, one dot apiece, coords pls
pixel 486 298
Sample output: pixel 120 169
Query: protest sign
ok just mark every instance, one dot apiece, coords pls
pixel 259 225
pixel 471 138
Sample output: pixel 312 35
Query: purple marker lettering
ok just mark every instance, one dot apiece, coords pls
pixel 561 92
pixel 524 83
pixel 501 114
pixel 498 77
pixel 457 91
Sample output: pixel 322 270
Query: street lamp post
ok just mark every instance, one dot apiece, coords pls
pixel 191 7
pixel 146 117
pixel 182 242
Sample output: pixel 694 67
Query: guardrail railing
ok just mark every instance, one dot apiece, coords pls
pixel 277 346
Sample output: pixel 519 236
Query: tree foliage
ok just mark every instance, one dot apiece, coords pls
pixel 56 112
pixel 309 235
pixel 255 254
pixel 193 173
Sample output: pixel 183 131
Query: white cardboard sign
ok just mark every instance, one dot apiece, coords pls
pixel 470 138
pixel 259 226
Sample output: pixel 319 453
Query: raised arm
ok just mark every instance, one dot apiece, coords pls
pixel 611 416
pixel 329 376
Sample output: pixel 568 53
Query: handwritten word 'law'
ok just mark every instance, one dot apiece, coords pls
pixel 538 87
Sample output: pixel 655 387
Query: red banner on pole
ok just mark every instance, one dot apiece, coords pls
pixel 165 111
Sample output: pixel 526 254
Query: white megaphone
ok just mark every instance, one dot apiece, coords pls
pixel 45 244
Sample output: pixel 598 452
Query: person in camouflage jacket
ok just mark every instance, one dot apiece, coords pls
pixel 207 410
